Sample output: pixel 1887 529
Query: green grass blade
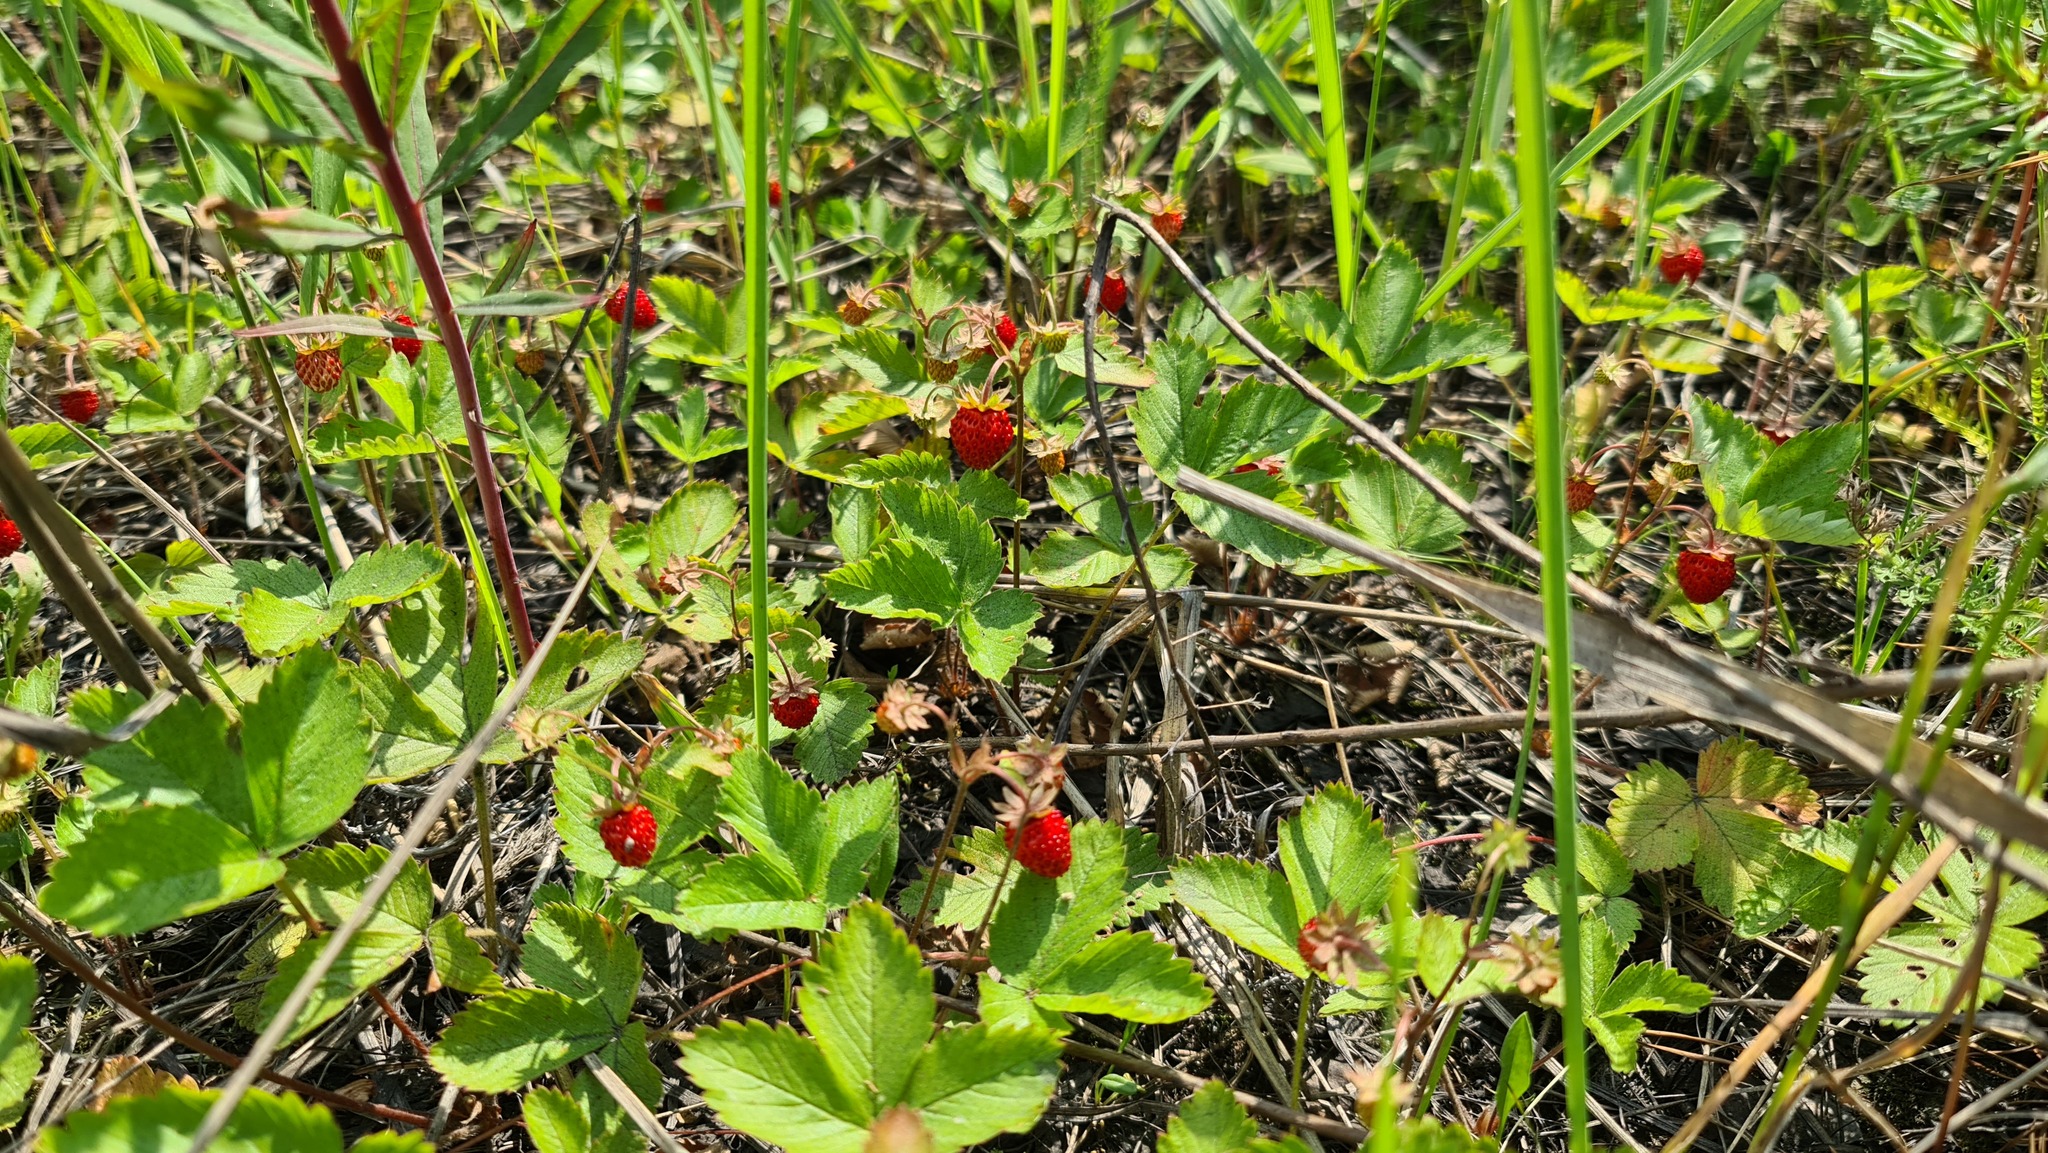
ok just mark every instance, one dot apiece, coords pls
pixel 1322 27
pixel 754 97
pixel 1056 84
pixel 1222 27
pixel 1731 25
pixel 1530 27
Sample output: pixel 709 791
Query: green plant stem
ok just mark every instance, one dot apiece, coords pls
pixel 754 95
pixel 1308 985
pixel 1546 401
pixel 1656 30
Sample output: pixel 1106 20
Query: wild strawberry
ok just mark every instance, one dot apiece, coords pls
pixel 1046 846
pixel 1705 573
pixel 18 762
pixel 1305 941
pixel 1777 433
pixel 775 194
pixel 1114 292
pixel 629 835
pixel 861 302
pixel 794 701
pixel 405 346
pixel 10 536
pixel 644 315
pixel 319 367
pixel 1579 493
pixel 940 369
pixel 982 432
pixel 654 201
pixel 530 361
pixel 1270 465
pixel 1006 332
pixel 1682 261
pixel 1168 215
pixel 79 405
pixel 1334 944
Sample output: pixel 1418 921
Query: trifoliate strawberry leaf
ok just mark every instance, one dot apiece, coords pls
pixel 1212 1121
pixel 868 1003
pixel 1728 451
pixel 328 883
pixel 1045 921
pixel 282 608
pixel 1915 966
pixel 898 579
pixel 169 1118
pixel 1391 509
pixel 680 787
pixel 1334 852
pixel 140 868
pixel 1246 902
pixel 305 751
pixel 580 954
pixel 1730 827
pixel 962 540
pixel 1786 492
pixel 502 1041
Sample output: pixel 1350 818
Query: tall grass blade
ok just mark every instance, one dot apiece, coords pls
pixel 1322 27
pixel 1222 27
pixel 1529 28
pixel 1056 88
pixel 754 99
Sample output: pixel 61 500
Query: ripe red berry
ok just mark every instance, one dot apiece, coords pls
pixel 1579 493
pixel 319 367
pixel 1006 332
pixel 629 835
pixel 1270 465
pixel 1704 574
pixel 775 194
pixel 644 315
pixel 405 346
pixel 10 536
pixel 1169 224
pixel 1682 261
pixel 1305 943
pixel 1114 292
pixel 654 201
pixel 79 405
pixel 982 434
pixel 1776 434
pixel 795 710
pixel 1046 846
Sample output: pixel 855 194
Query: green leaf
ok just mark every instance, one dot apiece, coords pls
pixel 1730 828
pixel 599 661
pixel 962 540
pixel 1332 851
pixel 579 954
pixel 680 788
pixel 776 1084
pixel 1384 309
pixel 571 33
pixel 691 523
pixel 830 746
pixel 1391 509
pixel 1128 975
pixel 1246 902
pixel 994 629
pixel 1619 305
pixel 143 867
pixel 167 1119
pixel 458 960
pixel 897 579
pixel 21 1057
pixel 305 750
pixel 1517 1061
pixel 1729 451
pixel 1211 1121
pixel 974 1083
pixel 1045 921
pixel 585 1119
pixel 1685 192
pixel 530 302
pixel 502 1041
pixel 867 1000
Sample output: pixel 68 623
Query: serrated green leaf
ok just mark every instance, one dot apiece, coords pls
pixel 579 954
pixel 867 1000
pixel 597 659
pixel 974 1083
pixel 1128 975
pixel 305 751
pixel 777 1084
pixel 1211 1121
pixel 1332 851
pixel 458 960
pixel 1391 509
pixel 830 746
pixel 1729 451
pixel 1046 921
pixel 1246 902
pixel 168 1118
pixel 691 523
pixel 993 631
pixel 502 1041
pixel 897 579
pixel 144 867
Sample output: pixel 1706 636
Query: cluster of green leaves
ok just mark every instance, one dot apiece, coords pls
pixel 168 1119
pixel 1787 492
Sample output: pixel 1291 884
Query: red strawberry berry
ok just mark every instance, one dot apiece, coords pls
pixel 1579 493
pixel 79 405
pixel 405 346
pixel 775 194
pixel 1704 574
pixel 1114 292
pixel 1046 846
pixel 982 433
pixel 1682 261
pixel 1169 225
pixel 10 536
pixel 319 367
pixel 795 710
pixel 1006 332
pixel 1775 433
pixel 1270 465
pixel 1305 942
pixel 644 315
pixel 629 834
pixel 655 201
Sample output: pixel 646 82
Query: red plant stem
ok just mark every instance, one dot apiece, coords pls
pixel 412 221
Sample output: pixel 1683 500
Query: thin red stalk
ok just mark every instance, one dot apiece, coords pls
pixel 412 221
